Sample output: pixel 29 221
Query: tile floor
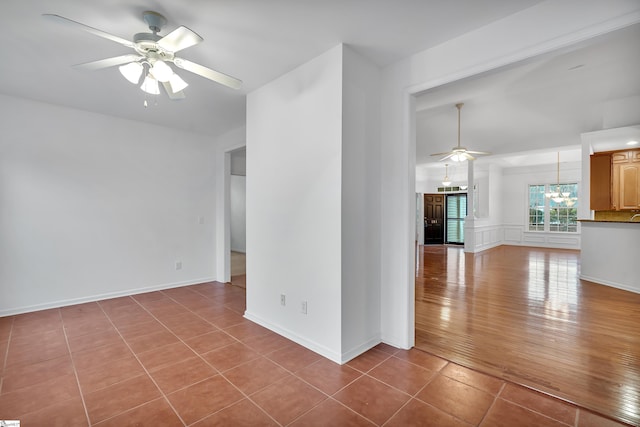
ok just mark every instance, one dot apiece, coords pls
pixel 187 357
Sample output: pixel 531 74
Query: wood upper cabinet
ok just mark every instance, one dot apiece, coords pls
pixel 601 182
pixel 625 180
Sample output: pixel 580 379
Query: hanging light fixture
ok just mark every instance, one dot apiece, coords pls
pixel 558 195
pixel 132 71
pixel 158 71
pixel 446 181
pixel 161 71
pixel 176 83
pixel 150 85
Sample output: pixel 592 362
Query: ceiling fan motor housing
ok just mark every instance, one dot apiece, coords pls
pixel 146 44
pixel 154 20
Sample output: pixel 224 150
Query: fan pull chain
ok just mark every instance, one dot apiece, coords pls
pixel 146 103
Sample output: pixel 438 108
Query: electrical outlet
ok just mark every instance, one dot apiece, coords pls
pixel 283 299
pixel 178 265
pixel 303 307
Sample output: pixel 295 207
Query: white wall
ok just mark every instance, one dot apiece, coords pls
pixel 610 254
pixel 239 162
pixel 294 227
pixel 93 206
pixel 360 205
pixel 542 28
pixel 238 206
pixel 313 204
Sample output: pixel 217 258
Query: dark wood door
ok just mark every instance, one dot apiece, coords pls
pixel 433 219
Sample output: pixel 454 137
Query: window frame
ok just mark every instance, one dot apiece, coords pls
pixel 550 206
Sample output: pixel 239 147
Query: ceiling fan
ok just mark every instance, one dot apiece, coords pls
pixel 458 153
pixel 153 54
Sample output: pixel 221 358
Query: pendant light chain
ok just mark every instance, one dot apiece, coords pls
pixel 459 107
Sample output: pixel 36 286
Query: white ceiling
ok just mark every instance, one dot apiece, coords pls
pixel 253 40
pixel 539 107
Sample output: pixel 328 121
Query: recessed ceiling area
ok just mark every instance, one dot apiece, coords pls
pixel 525 113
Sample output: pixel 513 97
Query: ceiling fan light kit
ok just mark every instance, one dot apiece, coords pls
pixel 459 153
pixel 150 85
pixel 161 71
pixel 154 53
pixel 132 71
pixel 176 83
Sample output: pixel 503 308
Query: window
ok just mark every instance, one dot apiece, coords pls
pixel 558 214
pixel 536 207
pixel 456 212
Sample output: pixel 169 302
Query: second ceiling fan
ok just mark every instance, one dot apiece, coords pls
pixel 459 153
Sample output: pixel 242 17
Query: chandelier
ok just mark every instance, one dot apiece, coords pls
pixel 446 181
pixel 558 195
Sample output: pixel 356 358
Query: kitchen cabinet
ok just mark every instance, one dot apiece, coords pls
pixel 600 182
pixel 625 180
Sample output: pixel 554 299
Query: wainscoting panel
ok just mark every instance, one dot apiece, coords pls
pixel 516 235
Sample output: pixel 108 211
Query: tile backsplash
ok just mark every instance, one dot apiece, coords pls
pixel 614 215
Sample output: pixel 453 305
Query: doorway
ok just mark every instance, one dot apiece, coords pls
pixel 433 219
pixel 237 203
pixel 444 216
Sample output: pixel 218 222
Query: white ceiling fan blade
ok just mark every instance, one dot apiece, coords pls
pixel 208 73
pixel 94 31
pixel 467 155
pixel 171 94
pixel 178 39
pixel 441 154
pixel 106 63
pixel 448 156
pixel 481 153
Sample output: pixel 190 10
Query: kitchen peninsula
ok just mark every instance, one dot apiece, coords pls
pixel 611 253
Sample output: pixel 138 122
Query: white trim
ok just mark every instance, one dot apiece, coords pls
pixel 603 282
pixel 487 237
pixel 362 348
pixel 287 333
pixel 100 297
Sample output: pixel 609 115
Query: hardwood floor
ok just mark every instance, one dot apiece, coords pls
pixel 522 314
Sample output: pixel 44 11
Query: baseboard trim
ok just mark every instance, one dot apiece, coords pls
pixel 99 297
pixel 311 345
pixel 609 283
pixel 314 346
pixel 358 350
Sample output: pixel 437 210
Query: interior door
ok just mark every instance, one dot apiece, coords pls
pixel 433 219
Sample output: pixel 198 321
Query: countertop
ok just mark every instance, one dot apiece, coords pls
pixel 609 220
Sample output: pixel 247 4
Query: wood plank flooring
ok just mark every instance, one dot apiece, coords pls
pixel 522 314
